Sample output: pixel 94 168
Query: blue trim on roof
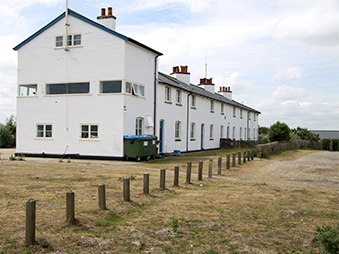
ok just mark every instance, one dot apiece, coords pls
pixel 89 21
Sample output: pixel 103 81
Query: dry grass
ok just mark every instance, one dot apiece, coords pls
pixel 263 206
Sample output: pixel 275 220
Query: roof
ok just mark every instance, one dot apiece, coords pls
pixel 89 21
pixel 169 80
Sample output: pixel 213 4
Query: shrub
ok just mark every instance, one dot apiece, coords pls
pixel 326 144
pixel 329 239
pixel 279 132
pixel 6 137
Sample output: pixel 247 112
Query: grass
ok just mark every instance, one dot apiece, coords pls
pixel 243 210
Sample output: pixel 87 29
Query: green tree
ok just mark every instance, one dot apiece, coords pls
pixel 279 132
pixel 305 134
pixel 263 130
pixel 6 137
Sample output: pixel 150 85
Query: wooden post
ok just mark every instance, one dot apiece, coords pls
pixel 233 160
pixel 189 171
pixel 210 168
pixel 162 178
pixel 200 170
pixel 239 158
pixel 146 183
pixel 176 176
pixel 248 155
pixel 244 159
pixel 126 184
pixel 252 155
pixel 331 145
pixel 219 165
pixel 228 161
pixel 30 221
pixel 102 196
pixel 70 218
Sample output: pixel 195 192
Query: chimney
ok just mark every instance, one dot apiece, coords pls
pixel 108 20
pixel 207 84
pixel 182 74
pixel 226 92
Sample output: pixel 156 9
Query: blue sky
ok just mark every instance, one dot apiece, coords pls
pixel 278 56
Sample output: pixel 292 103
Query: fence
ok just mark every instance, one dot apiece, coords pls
pixel 226 143
pixel 70 195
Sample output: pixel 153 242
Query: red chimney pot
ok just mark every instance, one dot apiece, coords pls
pixel 110 13
pixel 103 12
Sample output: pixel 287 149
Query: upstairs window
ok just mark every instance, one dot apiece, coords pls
pixel 110 86
pixel 193 101
pixel 255 116
pixel 177 97
pixel 249 115
pixel 27 90
pixel 72 40
pixel 241 113
pixel 68 88
pixel 212 106
pixel 167 94
pixel 59 41
pixel 134 89
pixel 44 130
pixel 234 112
pixel 222 108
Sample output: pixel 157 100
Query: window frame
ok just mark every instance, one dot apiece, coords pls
pixel 212 106
pixel 101 88
pixel 28 88
pixel 66 41
pixel 222 108
pixel 233 134
pixel 211 131
pixel 221 131
pixel 193 101
pixel 139 126
pixel 178 97
pixel 192 132
pixel 43 131
pixel 241 113
pixel 67 89
pixel 89 131
pixel 177 132
pixel 167 94
pixel 240 133
pixel 234 112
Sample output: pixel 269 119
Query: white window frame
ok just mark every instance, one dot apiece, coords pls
pixel 249 115
pixel 241 113
pixel 255 116
pixel 90 132
pixel 178 97
pixel 212 106
pixel 221 131
pixel 177 132
pixel 167 94
pixel 192 135
pixel 59 39
pixel 44 131
pixel 73 41
pixel 211 132
pixel 228 132
pixel 222 108
pixel 193 101
pixel 28 90
pixel 139 126
pixel 234 112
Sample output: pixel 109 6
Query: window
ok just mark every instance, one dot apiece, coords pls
pixel 254 134
pixel 221 131
pixel 177 97
pixel 192 131
pixel 44 130
pixel 67 88
pixel 249 115
pixel 222 108
pixel 128 88
pixel 89 131
pixel 139 123
pixel 27 90
pixel 233 132
pixel 234 112
pixel 177 130
pixel 241 113
pixel 59 41
pixel 167 94
pixel 240 133
pixel 72 40
pixel 249 133
pixel 211 132
pixel 193 101
pixel 110 86
pixel 228 132
pixel 134 89
pixel 245 133
pixel 212 106
pixel 255 116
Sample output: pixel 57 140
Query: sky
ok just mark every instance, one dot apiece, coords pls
pixel 280 57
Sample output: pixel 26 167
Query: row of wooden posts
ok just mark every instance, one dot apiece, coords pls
pixel 70 213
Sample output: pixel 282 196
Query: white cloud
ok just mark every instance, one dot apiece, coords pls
pixel 287 93
pixel 287 75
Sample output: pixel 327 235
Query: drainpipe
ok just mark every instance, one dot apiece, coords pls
pixel 187 124
pixel 66 27
pixel 155 94
pixel 248 132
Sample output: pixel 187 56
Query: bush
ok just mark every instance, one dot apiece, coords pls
pixel 279 132
pixel 6 137
pixel 329 239
pixel 326 144
pixel 304 134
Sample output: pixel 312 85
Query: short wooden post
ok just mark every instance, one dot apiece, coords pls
pixel 244 159
pixel 210 168
pixel 233 160
pixel 248 155
pixel 201 163
pixel 146 183
pixel 162 178
pixel 70 217
pixel 176 176
pixel 252 155
pixel 30 221
pixel 102 196
pixel 239 158
pixel 126 188
pixel 188 172
pixel 228 161
pixel 331 145
pixel 219 165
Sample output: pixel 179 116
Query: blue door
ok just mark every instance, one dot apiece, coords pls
pixel 161 136
pixel 202 137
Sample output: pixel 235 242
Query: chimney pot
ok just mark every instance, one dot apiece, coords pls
pixel 229 88
pixel 110 13
pixel 103 12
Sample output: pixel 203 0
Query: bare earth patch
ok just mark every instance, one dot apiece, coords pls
pixel 263 206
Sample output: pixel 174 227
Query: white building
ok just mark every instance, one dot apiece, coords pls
pixel 83 86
